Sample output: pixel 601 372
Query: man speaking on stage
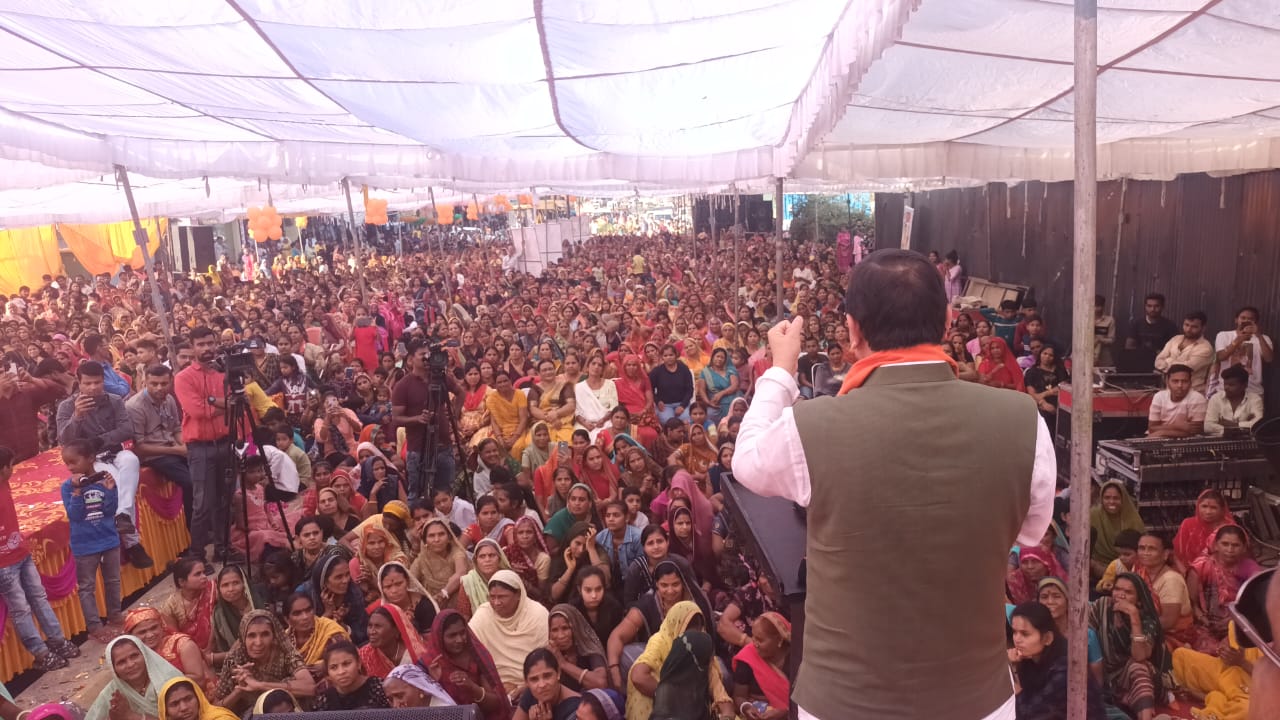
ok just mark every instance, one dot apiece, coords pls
pixel 917 484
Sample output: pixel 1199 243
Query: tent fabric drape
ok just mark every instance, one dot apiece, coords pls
pixel 104 248
pixel 25 255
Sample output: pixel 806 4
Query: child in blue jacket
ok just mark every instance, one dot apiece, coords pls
pixel 91 500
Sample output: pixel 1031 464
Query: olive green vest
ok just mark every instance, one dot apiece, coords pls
pixel 920 486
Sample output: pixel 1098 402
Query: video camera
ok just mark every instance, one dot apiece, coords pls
pixel 236 363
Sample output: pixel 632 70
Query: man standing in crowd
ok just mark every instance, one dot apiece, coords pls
pixel 1243 347
pixel 157 432
pixel 409 400
pixel 22 396
pixel 1148 336
pixel 827 454
pixel 201 392
pixel 95 346
pixel 94 414
pixel 21 587
pixel 1177 411
pixel 1189 349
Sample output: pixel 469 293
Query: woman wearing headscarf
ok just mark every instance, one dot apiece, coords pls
pixel 182 699
pixel 671 586
pixel 148 625
pixel 538 451
pixel 1134 656
pixel 999 368
pixel 683 485
pixel 650 669
pixel 511 626
pixel 580 506
pixel 1196 534
pixel 760 667
pixel 380 482
pixel 488 560
pixel 1114 512
pixel 1214 581
pixel 528 555
pixel 398 587
pixel 235 598
pixel 276 702
pixel 744 604
pixel 263 659
pixel 310 633
pixel 137 674
pixel 337 597
pixel 718 384
pixel 377 547
pixel 464 668
pixel 392 641
pixel 441 565
pixel 600 705
pixel 635 392
pixel 577 649
pixel 410 686
pixel 1034 565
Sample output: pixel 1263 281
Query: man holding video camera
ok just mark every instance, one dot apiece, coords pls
pixel 410 410
pixel 93 413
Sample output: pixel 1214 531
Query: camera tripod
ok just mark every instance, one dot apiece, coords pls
pixel 438 399
pixel 242 427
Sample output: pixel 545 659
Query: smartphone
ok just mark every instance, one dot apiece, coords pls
pixel 351 372
pixel 102 400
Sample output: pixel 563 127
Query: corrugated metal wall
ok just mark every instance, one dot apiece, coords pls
pixel 1210 244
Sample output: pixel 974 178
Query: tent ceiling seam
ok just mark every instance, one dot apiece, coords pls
pixel 1190 17
pixel 551 76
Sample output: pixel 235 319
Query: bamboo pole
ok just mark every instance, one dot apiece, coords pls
pixel 355 242
pixel 777 241
pixel 140 237
pixel 1085 281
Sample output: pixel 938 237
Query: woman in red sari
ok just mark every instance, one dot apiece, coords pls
pixel 1195 535
pixel 527 553
pixel 1214 580
pixel 759 668
pixel 148 625
pixel 999 368
pixel 636 394
pixel 392 641
pixel 460 663
pixel 190 609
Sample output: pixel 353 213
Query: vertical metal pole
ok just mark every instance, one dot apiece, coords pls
pixel 777 241
pixel 140 237
pixel 355 239
pixel 737 232
pixel 1084 280
pixel 711 205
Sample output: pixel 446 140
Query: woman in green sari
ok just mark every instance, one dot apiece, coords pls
pixel 1134 657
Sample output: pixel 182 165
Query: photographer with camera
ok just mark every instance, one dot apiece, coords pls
pixel 410 409
pixel 201 392
pixel 91 413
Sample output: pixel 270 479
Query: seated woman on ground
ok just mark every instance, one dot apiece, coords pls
pixel 399 588
pixel 409 686
pixel 137 674
pixel 351 686
pixel 1039 659
pixel 1034 565
pixel 1214 581
pixel 761 688
pixel 580 551
pixel 680 654
pixel 1114 512
pixel 510 626
pixel 310 633
pixel 392 641
pixel 577 649
pixel 671 585
pixel 263 659
pixel 464 668
pixel 545 697
pixel 1196 534
pixel 182 699
pixel 1053 595
pixel 1134 656
pixel 178 649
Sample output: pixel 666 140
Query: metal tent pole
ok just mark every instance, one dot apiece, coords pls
pixel 1084 280
pixel 140 237
pixel 355 240
pixel 777 241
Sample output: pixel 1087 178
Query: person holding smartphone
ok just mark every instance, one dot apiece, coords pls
pixel 92 413
pixel 90 498
pixel 1244 346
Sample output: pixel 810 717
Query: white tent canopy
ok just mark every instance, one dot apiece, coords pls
pixel 648 96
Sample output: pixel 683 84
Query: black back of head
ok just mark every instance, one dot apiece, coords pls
pixel 897 299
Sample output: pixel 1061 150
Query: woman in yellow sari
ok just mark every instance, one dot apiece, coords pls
pixel 310 633
pixel 643 679
pixel 182 699
pixel 508 414
pixel 691 354
pixel 553 401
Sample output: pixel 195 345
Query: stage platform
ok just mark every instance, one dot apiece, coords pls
pixel 35 485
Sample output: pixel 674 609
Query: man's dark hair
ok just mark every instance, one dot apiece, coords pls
pixel 6 456
pixel 158 370
pixel 199 332
pixel 1173 369
pixel 91 344
pixel 90 368
pixel 1235 372
pixel 673 423
pixel 148 344
pixel 1008 304
pixel 1197 315
pixel 952 255
pixel 1251 309
pixel 897 299
pixel 1154 296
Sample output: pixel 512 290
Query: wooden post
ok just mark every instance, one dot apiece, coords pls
pixel 1084 281
pixel 140 237
pixel 355 241
pixel 777 241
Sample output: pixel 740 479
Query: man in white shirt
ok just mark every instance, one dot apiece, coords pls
pixel 1189 349
pixel 827 454
pixel 1177 411
pixel 1243 347
pixel 1235 406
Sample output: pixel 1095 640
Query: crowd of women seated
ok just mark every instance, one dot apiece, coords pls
pixel 1158 621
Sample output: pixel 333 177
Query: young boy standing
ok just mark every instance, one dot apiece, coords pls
pixel 91 500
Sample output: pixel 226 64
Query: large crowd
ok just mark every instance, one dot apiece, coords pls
pixel 462 484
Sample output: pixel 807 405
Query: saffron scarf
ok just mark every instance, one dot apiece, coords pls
pixel 863 368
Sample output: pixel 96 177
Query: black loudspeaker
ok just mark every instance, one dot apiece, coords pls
pixel 194 248
pixel 459 712
pixel 756 214
pixel 1104 428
